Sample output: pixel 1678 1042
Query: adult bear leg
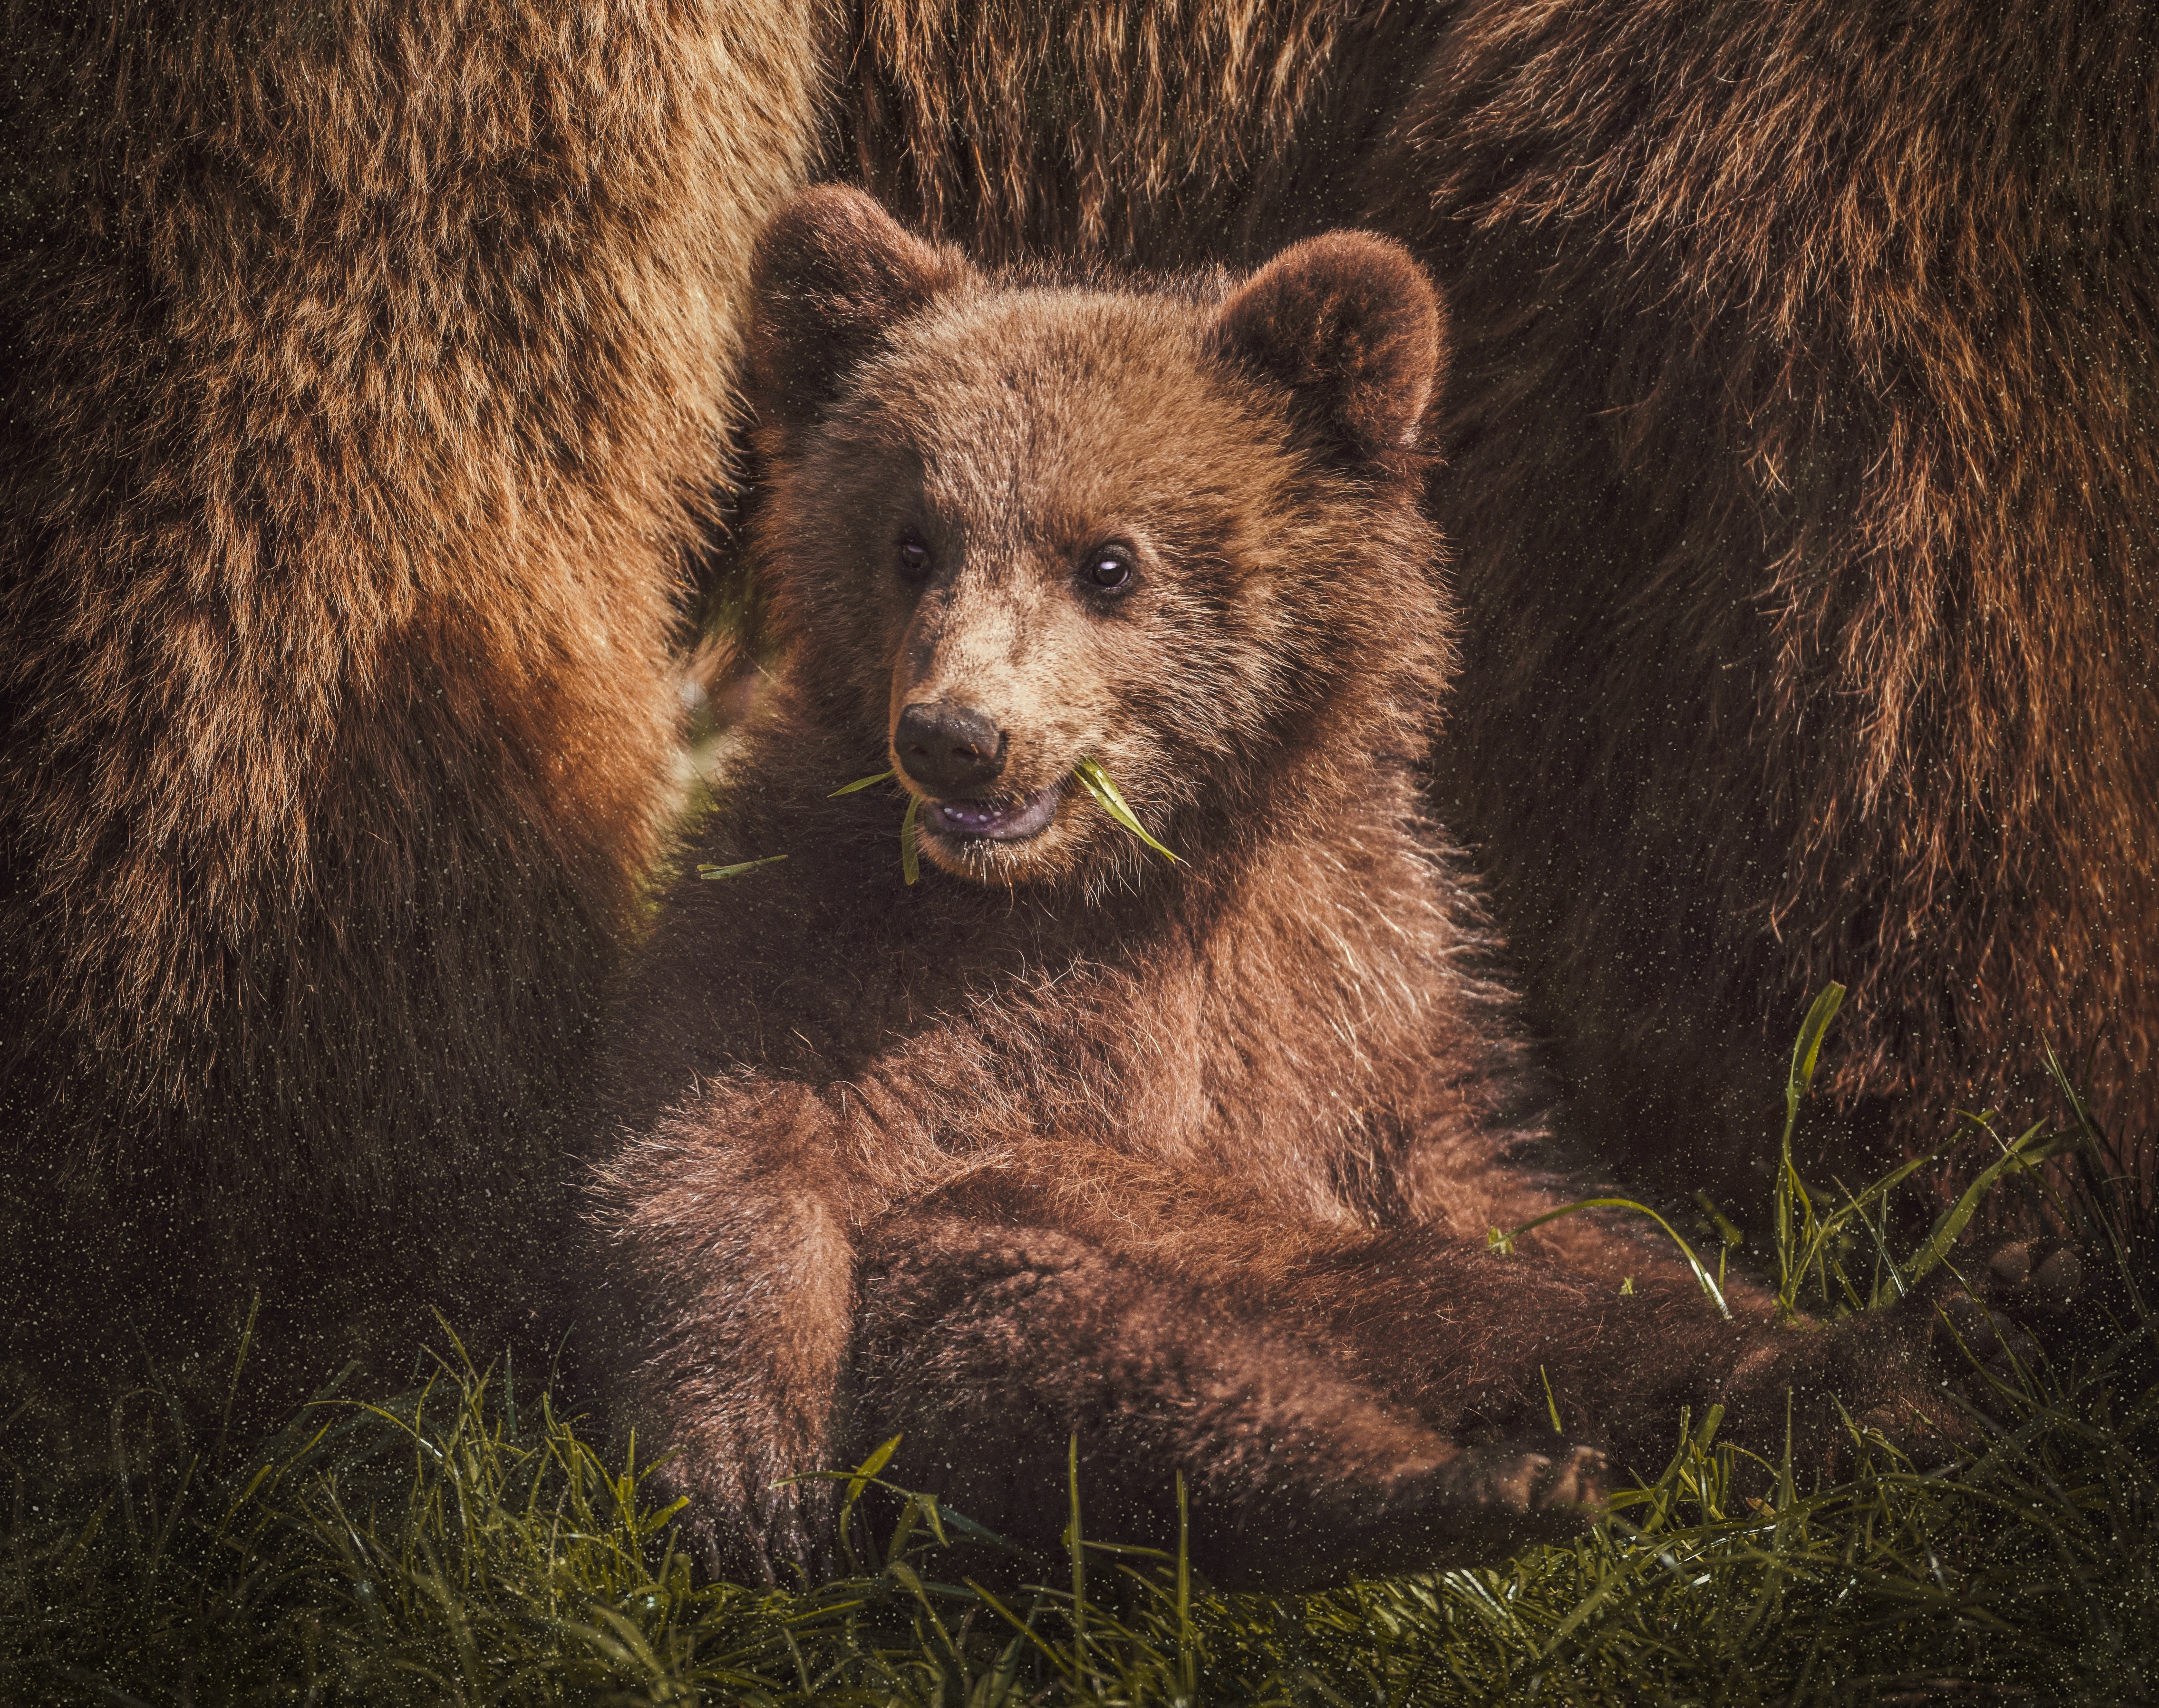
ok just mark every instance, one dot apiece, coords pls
pixel 986 1346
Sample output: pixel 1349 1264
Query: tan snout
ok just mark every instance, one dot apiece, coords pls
pixel 982 689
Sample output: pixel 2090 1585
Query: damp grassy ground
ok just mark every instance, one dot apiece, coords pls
pixel 461 1545
pixel 461 1542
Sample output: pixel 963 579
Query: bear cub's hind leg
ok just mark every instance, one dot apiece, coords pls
pixel 988 1345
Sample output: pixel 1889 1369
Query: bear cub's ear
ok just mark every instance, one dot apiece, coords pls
pixel 832 274
pixel 1350 325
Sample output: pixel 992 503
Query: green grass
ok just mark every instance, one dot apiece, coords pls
pixel 1817 1241
pixel 457 1546
pixel 463 1543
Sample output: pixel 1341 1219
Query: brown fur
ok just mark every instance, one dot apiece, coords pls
pixel 1196 1160
pixel 366 374
pixel 1804 445
pixel 1169 132
pixel 1800 466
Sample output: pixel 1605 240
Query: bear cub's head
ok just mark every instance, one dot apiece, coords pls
pixel 1012 523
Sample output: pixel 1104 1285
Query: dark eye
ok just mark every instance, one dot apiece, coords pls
pixel 913 560
pixel 1109 570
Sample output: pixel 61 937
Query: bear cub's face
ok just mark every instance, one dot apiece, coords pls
pixel 1011 527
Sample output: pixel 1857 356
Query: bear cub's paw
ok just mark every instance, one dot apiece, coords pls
pixel 1511 1486
pixel 1488 1502
pixel 1477 1506
pixel 2027 1284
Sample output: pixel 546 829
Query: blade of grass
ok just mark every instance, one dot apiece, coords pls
pixel 910 857
pixel 232 1387
pixel 739 867
pixel 1097 782
pixel 1815 1254
pixel 1188 1653
pixel 2090 1149
pixel 1504 1244
pixel 1076 1544
pixel 1725 1231
pixel 1806 1049
pixel 940 1516
pixel 859 782
pixel 860 1480
pixel 1856 1207
pixel 2020 1153
pixel 1791 1191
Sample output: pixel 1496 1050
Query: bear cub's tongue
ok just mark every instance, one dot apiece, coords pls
pixel 994 820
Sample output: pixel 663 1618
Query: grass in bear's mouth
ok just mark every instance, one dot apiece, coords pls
pixel 1087 773
pixel 1097 782
pixel 461 1542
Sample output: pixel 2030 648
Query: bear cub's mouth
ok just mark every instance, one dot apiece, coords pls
pixel 994 820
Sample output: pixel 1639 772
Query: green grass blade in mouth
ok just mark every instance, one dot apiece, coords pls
pixel 859 782
pixel 1097 782
pixel 739 867
pixel 910 859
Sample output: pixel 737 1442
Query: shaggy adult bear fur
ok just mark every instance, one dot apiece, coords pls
pixel 1197 1159
pixel 1801 469
pixel 365 373
pixel 1799 463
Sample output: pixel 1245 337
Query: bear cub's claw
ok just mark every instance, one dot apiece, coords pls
pixel 1474 1509
pixel 1492 1499
pixel 1518 1481
pixel 2047 1275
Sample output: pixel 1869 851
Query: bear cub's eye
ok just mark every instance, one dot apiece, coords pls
pixel 1109 569
pixel 914 558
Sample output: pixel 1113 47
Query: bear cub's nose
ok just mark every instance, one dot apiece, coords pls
pixel 953 751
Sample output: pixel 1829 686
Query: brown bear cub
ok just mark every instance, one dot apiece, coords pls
pixel 1196 1160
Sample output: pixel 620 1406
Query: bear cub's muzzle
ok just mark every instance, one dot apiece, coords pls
pixel 954 754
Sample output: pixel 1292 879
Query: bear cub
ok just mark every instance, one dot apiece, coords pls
pixel 1196 1159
